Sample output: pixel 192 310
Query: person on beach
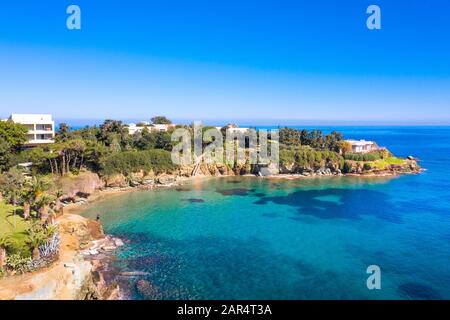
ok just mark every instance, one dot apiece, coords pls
pixel 98 217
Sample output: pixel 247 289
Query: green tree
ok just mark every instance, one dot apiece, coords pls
pixel 145 140
pixel 163 141
pixel 63 132
pixel 5 241
pixel 67 156
pixel 58 206
pixel 316 139
pixel 160 120
pixel 333 141
pixel 43 207
pixel 289 137
pixel 27 198
pixel 14 134
pixel 5 155
pixel 304 138
pixel 36 236
pixel 11 182
pixel 114 133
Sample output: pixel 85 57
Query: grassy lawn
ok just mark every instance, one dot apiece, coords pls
pixel 14 226
pixel 394 160
pixel 382 163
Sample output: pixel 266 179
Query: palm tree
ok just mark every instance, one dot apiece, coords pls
pixel 58 206
pixel 27 198
pixel 5 241
pixel 38 186
pixel 36 237
pixel 43 207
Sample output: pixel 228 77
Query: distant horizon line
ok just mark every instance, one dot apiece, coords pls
pixel 266 123
pixel 255 122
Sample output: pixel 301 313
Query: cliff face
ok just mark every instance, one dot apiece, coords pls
pixel 72 277
pixel 350 167
pixel 85 183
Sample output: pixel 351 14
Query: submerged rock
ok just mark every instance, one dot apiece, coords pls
pixel 419 291
pixel 148 290
pixel 133 273
pixel 234 192
pixel 195 200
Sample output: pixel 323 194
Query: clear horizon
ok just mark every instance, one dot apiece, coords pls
pixel 257 63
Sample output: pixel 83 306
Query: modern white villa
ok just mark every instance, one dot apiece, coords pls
pixel 41 128
pixel 234 129
pixel 362 146
pixel 133 128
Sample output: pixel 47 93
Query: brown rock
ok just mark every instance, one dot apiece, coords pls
pixel 116 181
pixel 85 183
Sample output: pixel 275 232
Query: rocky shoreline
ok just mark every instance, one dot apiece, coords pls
pixel 79 273
pixel 83 269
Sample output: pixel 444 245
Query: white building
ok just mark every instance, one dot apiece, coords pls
pixel 162 127
pixel 362 146
pixel 133 128
pixel 233 129
pixel 41 127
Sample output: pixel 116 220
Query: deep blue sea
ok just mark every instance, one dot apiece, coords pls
pixel 250 238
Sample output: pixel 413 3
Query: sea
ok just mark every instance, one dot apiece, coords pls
pixel 315 238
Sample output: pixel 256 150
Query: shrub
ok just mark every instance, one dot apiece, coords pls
pixel 371 156
pixel 18 263
pixel 347 167
pixel 306 157
pixel 287 156
pixel 129 162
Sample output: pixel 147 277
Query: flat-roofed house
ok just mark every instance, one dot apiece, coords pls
pixel 41 128
pixel 133 128
pixel 362 146
pixel 233 129
pixel 162 127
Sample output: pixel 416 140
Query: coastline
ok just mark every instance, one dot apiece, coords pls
pixel 101 194
pixel 85 254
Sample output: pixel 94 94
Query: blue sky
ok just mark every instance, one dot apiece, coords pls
pixel 270 62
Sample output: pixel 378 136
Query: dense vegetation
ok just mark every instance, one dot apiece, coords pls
pixel 134 161
pixel 310 150
pixel 371 156
pixel 306 151
pixel 29 198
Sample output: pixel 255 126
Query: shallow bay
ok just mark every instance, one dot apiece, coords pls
pixel 252 238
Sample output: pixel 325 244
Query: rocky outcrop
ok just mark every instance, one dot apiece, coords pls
pixel 350 167
pixel 328 169
pixel 85 183
pixel 74 275
pixel 407 166
pixel 116 181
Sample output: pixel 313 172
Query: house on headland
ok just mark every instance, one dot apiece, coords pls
pixel 41 128
pixel 362 146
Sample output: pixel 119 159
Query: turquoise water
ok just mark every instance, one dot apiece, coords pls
pixel 249 238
